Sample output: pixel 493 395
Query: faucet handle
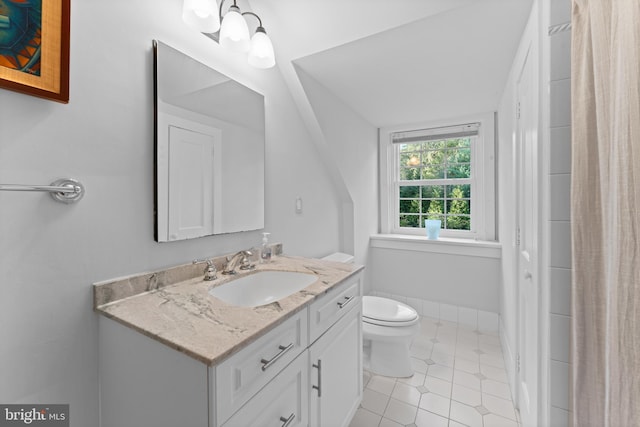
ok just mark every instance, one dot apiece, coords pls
pixel 210 270
pixel 246 264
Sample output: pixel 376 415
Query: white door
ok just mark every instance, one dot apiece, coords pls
pixel 191 171
pixel 527 242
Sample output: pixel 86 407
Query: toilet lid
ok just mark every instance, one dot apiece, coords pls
pixel 377 309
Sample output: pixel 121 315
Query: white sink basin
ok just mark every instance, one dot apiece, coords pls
pixel 263 287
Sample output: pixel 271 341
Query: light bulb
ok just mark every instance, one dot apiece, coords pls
pixel 261 52
pixel 201 15
pixel 234 33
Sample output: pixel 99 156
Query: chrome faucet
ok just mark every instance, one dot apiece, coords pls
pixel 241 258
pixel 210 270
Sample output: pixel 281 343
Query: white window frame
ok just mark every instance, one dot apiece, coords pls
pixel 483 206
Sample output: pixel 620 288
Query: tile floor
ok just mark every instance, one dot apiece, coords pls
pixel 459 380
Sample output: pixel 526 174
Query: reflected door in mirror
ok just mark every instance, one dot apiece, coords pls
pixel 192 158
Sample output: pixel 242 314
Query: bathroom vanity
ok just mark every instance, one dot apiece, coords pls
pixel 173 355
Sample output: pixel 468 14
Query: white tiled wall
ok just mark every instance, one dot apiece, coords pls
pixel 483 321
pixel 559 215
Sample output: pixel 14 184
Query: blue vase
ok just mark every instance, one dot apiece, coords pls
pixel 433 228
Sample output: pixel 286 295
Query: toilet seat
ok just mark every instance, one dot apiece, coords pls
pixel 386 312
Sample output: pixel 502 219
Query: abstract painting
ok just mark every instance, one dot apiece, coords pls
pixel 34 47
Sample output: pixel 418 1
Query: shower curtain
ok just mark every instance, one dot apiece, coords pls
pixel 605 212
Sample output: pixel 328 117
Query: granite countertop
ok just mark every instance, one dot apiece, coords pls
pixel 180 312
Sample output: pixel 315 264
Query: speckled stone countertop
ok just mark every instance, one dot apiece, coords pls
pixel 174 306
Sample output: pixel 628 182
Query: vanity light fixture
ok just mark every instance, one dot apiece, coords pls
pixel 233 31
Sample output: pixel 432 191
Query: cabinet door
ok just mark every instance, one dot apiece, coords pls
pixel 335 378
pixel 284 401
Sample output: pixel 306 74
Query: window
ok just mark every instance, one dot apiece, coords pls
pixel 441 172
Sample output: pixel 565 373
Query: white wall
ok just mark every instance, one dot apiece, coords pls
pixel 437 277
pixel 353 144
pixel 50 253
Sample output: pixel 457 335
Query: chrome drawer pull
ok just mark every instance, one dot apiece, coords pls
pixel 346 301
pixel 266 363
pixel 319 386
pixel 287 421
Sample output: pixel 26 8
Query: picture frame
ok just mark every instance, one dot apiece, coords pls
pixel 34 48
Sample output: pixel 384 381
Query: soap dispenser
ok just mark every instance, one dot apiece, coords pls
pixel 265 252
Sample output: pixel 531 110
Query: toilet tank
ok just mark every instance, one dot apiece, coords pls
pixel 339 257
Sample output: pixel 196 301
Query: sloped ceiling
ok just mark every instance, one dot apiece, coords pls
pixel 401 61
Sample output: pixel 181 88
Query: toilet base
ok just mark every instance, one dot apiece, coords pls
pixel 390 359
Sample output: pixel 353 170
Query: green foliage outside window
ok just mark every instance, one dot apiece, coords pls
pixel 448 159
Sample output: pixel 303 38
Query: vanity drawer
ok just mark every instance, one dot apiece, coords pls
pixel 284 401
pixel 246 372
pixel 328 309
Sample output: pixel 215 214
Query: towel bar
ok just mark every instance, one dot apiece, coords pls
pixel 65 190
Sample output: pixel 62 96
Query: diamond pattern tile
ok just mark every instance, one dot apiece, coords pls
pixel 482 410
pixel 477 394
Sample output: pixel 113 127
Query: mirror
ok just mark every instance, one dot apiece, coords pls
pixel 209 150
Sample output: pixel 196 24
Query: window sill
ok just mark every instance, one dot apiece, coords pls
pixel 444 245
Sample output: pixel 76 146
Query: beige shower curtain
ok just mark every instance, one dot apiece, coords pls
pixel 605 205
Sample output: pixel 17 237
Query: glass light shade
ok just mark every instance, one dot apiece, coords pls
pixel 261 52
pixel 234 33
pixel 201 15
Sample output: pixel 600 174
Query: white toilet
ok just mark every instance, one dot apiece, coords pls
pixel 388 327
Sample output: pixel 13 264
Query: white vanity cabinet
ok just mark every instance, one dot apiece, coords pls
pixel 331 390
pixel 307 371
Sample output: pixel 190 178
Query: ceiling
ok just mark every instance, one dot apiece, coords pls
pixel 401 61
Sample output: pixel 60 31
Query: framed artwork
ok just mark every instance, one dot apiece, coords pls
pixel 34 47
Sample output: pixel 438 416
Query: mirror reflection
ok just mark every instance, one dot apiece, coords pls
pixel 209 150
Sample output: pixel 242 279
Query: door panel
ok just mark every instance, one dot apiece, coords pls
pixel 527 222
